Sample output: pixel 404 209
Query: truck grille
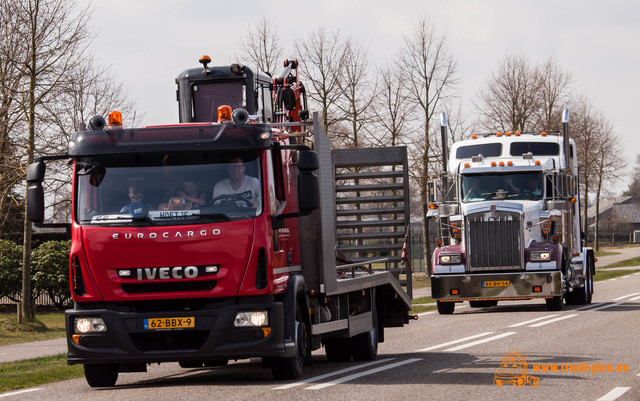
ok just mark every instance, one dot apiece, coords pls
pixel 494 243
pixel 175 286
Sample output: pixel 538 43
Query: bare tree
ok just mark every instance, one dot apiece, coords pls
pixel 55 36
pixel 262 46
pixel 608 166
pixel 391 108
pixel 512 96
pixel 357 94
pixel 429 73
pixel 584 131
pixel 322 59
pixel 555 94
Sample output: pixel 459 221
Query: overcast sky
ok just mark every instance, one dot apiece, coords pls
pixel 148 43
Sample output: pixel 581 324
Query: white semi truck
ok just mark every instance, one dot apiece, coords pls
pixel 508 215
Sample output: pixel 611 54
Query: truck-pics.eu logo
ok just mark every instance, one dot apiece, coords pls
pixel 513 370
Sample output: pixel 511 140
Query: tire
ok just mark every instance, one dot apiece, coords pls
pixel 101 375
pixel 364 346
pixel 554 304
pixel 482 304
pixel 445 308
pixel 584 294
pixel 291 367
pixel 337 349
pixel 190 364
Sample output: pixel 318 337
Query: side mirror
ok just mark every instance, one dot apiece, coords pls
pixel 308 183
pixel 35 192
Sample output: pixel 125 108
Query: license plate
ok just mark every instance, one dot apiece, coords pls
pixel 491 284
pixel 170 323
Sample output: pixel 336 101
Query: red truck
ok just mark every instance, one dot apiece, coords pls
pixel 307 252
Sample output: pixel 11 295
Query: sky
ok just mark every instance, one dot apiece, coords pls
pixel 148 43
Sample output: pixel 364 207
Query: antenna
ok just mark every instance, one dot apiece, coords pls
pixel 213 105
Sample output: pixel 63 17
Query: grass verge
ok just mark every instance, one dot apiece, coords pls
pixel 45 327
pixel 624 263
pixel 605 275
pixel 422 308
pixel 33 372
pixel 598 254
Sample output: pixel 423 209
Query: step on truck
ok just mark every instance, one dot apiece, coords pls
pixel 167 267
pixel 508 215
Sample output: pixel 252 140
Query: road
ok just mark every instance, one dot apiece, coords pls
pixel 448 357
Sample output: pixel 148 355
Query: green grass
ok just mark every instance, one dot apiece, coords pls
pixel 598 254
pixel 605 275
pixel 422 300
pixel 624 263
pixel 420 280
pixel 32 372
pixel 421 308
pixel 45 327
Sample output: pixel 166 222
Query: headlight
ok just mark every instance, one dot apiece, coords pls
pixel 450 259
pixel 251 319
pixel 540 256
pixel 89 325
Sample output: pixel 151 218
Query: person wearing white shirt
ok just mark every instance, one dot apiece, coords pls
pixel 242 189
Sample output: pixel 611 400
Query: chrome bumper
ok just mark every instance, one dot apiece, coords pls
pixel 472 287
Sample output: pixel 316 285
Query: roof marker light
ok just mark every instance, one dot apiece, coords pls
pixel 508 133
pixel 224 115
pixel 115 119
pixel 467 165
pixel 509 163
pixel 517 133
pixel 537 162
pixel 543 133
pixel 493 164
pixel 498 133
pixel 474 136
pixel 501 164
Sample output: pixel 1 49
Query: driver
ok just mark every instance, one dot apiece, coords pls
pixel 242 189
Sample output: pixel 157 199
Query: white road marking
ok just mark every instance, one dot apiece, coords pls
pixel 532 320
pixel 426 313
pixel 614 394
pixel 606 306
pixel 455 342
pixel 485 340
pixel 20 392
pixel 336 373
pixel 636 274
pixel 588 306
pixel 611 279
pixel 626 296
pixel 634 299
pixel 554 320
pixel 361 374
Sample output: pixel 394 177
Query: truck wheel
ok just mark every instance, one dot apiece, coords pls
pixel 364 346
pixel 482 304
pixel 102 374
pixel 337 349
pixel 554 303
pixel 445 308
pixel 291 367
pixel 190 364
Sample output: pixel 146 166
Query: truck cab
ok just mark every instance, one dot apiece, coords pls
pixel 509 221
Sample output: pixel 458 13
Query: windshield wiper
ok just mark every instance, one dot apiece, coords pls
pixel 220 216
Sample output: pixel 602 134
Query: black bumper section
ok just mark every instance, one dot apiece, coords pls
pixel 214 336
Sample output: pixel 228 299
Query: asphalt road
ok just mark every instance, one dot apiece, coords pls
pixel 454 357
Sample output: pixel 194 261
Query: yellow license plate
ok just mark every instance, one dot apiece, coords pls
pixel 492 284
pixel 170 323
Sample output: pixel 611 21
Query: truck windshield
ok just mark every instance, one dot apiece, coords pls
pixel 168 188
pixel 516 186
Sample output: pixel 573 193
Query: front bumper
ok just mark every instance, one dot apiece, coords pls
pixel 470 286
pixel 213 337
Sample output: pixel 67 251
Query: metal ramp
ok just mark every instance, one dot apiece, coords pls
pixel 372 210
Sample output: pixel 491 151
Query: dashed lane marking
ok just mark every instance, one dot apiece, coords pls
pixel 361 374
pixel 626 296
pixel 614 394
pixel 455 342
pixel 634 299
pixel 532 320
pixel 484 340
pixel 336 373
pixel 609 305
pixel 29 390
pixel 553 320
